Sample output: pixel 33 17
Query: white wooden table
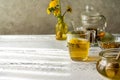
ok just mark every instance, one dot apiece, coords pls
pixel 42 57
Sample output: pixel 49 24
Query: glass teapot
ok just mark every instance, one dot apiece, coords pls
pixel 93 21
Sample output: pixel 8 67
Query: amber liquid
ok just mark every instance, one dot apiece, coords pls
pixel 79 51
pixel 111 73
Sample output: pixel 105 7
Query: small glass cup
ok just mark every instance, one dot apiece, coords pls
pixel 78 45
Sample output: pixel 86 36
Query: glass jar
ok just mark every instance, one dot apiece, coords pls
pixel 109 64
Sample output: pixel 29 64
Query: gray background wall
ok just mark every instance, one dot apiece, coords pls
pixel 30 17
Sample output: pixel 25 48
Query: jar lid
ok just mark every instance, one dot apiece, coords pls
pixel 110 53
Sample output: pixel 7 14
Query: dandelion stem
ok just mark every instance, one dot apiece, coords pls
pixel 59 2
pixel 64 13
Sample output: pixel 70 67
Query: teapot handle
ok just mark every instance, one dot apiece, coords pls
pixel 105 21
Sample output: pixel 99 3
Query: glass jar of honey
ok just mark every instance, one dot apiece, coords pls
pixel 109 64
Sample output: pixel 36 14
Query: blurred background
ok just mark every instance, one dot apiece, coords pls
pixel 30 17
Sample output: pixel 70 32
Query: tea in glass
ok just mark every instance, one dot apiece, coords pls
pixel 78 46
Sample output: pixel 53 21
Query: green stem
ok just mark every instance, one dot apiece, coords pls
pixel 59 2
pixel 64 13
pixel 61 19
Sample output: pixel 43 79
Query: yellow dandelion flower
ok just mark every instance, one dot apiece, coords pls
pixel 48 11
pixel 54 7
pixel 56 12
pixel 53 4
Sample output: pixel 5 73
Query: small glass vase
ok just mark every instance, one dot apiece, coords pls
pixel 61 29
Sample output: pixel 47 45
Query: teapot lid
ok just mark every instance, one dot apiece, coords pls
pixel 89 12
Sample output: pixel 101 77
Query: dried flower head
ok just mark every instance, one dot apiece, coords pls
pixel 69 9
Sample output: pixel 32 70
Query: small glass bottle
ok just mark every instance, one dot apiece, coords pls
pixel 61 29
